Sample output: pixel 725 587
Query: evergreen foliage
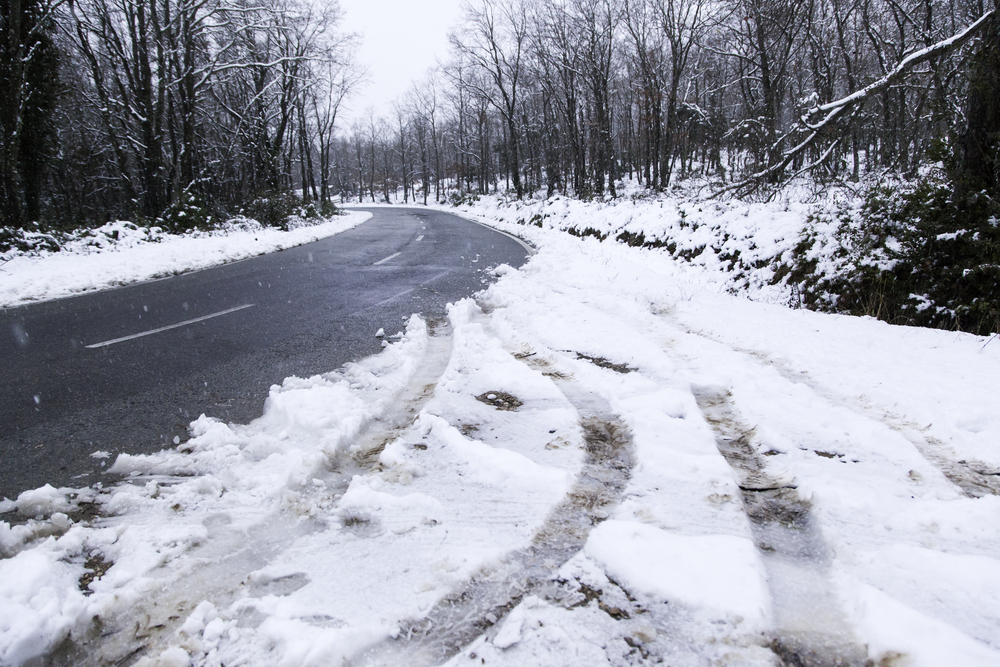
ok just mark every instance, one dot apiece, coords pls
pixel 914 257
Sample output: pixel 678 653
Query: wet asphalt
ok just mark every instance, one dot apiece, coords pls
pixel 301 312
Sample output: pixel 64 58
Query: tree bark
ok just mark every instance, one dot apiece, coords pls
pixel 977 164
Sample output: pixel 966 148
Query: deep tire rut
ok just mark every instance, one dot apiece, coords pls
pixel 975 479
pixel 810 629
pixel 481 606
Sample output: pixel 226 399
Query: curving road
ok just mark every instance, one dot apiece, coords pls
pixel 126 370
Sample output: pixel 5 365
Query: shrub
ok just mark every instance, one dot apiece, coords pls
pixel 188 212
pixel 273 209
pixel 328 209
pixel 907 256
pixel 28 241
pixel 459 199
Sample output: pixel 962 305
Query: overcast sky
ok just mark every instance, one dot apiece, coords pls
pixel 402 40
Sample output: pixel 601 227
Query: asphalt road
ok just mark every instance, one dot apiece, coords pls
pixel 301 311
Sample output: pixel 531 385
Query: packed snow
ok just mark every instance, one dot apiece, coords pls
pixel 602 459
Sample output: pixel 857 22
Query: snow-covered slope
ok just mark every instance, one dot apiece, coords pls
pixel 738 246
pixel 603 459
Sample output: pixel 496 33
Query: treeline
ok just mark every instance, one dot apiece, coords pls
pixel 147 108
pixel 161 109
pixel 570 96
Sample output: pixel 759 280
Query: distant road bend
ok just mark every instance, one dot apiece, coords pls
pixel 126 370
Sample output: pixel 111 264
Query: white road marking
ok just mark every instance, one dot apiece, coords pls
pixel 168 327
pixel 420 238
pixel 383 261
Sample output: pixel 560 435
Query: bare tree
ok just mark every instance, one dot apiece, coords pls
pixel 683 23
pixel 338 77
pixel 495 39
pixel 821 119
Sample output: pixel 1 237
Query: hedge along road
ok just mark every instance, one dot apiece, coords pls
pixel 126 370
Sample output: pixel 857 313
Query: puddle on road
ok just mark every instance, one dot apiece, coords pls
pixel 481 606
pixel 810 628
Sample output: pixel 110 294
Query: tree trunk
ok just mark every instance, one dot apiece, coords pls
pixel 28 70
pixel 513 157
pixel 11 119
pixel 977 165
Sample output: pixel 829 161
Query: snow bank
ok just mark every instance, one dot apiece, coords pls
pixel 731 245
pixel 121 253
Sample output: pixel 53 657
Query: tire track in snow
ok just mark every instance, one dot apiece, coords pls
pixel 480 606
pixel 811 629
pixel 975 479
pixel 373 438
pixel 227 558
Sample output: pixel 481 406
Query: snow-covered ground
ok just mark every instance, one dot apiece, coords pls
pixel 739 246
pixel 602 459
pixel 122 253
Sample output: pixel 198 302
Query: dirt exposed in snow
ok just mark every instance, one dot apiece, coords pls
pixel 96 568
pixel 601 362
pixel 500 400
pixel 976 479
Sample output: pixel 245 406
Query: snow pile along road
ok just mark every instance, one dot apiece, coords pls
pixel 600 460
pixel 122 253
pixel 737 245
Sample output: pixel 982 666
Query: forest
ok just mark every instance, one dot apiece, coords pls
pixel 184 113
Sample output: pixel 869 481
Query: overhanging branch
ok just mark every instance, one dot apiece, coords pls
pixel 831 112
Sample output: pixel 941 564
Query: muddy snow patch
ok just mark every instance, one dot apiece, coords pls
pixel 500 400
pixel 601 362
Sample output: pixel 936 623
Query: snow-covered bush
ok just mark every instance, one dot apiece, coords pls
pixel 909 254
pixel 284 210
pixel 188 213
pixel 27 241
pixel 272 209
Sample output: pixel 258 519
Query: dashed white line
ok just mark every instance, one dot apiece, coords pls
pixel 168 327
pixel 420 238
pixel 383 261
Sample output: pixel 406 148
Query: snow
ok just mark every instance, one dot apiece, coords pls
pixel 41 602
pixel 393 511
pixel 722 573
pixel 121 253
pixel 45 500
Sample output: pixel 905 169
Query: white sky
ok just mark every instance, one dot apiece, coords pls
pixel 402 40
